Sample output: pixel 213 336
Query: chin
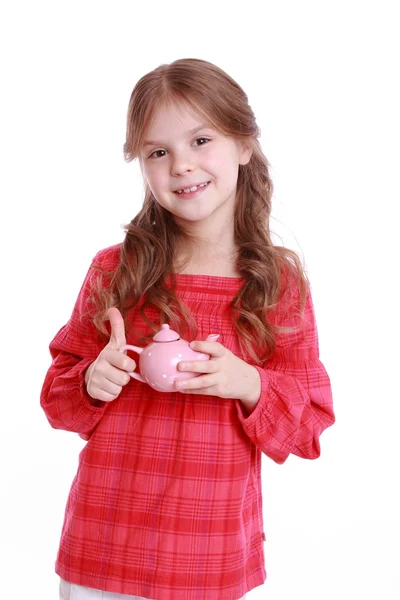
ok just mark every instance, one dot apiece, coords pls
pixel 193 219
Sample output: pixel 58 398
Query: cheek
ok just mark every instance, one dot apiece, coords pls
pixel 222 162
pixel 155 177
pixel 225 171
pixel 211 159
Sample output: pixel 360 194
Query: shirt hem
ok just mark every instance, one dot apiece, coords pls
pixel 161 593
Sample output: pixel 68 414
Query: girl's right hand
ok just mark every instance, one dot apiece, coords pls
pixel 108 374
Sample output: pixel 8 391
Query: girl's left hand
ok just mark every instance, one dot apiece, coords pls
pixel 224 375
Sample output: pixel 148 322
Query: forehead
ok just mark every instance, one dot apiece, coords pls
pixel 174 119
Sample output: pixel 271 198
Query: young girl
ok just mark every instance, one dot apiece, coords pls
pixel 166 503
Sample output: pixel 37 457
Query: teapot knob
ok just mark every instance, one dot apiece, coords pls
pixel 166 334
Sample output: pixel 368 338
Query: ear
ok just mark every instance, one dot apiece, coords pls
pixel 245 152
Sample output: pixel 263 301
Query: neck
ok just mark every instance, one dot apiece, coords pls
pixel 211 234
pixel 210 245
pixel 213 252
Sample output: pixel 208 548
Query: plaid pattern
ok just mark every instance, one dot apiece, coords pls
pixel 166 503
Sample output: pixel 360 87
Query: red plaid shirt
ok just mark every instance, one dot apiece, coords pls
pixel 166 503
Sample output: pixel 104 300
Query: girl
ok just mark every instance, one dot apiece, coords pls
pixel 166 503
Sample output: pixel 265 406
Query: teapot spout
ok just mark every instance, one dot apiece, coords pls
pixel 213 337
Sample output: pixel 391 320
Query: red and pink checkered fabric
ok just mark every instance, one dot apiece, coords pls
pixel 166 503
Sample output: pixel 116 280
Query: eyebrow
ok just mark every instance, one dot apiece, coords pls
pixel 189 133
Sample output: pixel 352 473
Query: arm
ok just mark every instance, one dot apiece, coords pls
pixel 64 398
pixel 295 403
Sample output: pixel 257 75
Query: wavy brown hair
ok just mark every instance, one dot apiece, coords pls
pixel 146 272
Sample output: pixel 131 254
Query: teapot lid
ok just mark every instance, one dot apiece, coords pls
pixel 166 334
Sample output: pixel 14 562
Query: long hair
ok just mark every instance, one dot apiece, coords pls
pixel 147 255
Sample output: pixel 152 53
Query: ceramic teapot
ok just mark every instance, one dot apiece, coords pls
pixel 158 361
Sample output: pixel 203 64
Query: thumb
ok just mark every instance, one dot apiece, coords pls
pixel 117 338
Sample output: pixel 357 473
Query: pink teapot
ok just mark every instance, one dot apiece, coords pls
pixel 158 361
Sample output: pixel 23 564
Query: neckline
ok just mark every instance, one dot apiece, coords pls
pixel 216 277
pixel 208 283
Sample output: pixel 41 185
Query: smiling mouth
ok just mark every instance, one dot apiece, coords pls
pixel 194 188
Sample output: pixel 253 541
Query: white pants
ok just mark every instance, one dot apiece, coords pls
pixel 71 591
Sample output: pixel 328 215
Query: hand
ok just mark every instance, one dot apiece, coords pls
pixel 224 375
pixel 108 374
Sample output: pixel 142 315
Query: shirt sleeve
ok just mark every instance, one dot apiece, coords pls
pixel 64 398
pixel 295 405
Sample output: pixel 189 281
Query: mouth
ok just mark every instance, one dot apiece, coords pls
pixel 191 189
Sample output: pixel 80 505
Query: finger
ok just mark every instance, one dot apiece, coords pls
pixel 117 377
pixel 212 348
pixel 104 380
pixel 104 396
pixel 195 383
pixel 198 366
pixel 201 392
pixel 119 360
pixel 110 388
pixel 117 338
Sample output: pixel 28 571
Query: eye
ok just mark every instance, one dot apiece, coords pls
pixel 201 141
pixel 158 154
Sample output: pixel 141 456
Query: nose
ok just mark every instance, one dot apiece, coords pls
pixel 181 164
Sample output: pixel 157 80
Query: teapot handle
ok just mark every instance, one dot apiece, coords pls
pixel 139 351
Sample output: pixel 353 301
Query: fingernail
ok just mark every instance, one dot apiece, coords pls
pixel 192 345
pixel 179 384
pixel 183 366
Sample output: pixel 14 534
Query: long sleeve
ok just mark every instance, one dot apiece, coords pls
pixel 295 404
pixel 64 398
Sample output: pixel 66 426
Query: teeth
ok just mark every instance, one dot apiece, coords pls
pixel 192 189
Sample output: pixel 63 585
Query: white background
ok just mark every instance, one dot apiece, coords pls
pixel 322 79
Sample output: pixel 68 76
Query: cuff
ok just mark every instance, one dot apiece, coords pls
pixel 250 419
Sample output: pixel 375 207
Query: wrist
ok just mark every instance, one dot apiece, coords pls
pixel 251 397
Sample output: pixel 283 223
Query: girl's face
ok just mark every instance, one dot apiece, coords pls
pixel 191 168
